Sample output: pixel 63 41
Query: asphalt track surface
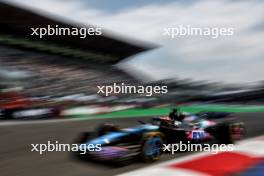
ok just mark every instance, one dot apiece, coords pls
pixel 17 159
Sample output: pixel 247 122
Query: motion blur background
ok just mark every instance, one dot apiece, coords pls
pixel 56 77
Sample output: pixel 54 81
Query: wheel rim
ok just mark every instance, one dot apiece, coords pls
pixel 153 147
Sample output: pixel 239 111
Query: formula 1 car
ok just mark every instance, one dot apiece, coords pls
pixel 16 106
pixel 146 141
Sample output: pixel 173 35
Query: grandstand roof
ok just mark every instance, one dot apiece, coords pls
pixel 15 30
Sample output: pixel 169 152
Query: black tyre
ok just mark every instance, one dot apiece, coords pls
pixel 151 149
pixel 228 133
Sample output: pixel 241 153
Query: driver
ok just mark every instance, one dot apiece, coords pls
pixel 176 115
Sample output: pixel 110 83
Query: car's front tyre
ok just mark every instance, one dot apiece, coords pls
pixel 152 144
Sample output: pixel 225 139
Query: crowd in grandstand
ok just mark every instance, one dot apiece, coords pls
pixel 55 75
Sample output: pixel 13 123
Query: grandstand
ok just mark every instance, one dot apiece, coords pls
pixel 58 65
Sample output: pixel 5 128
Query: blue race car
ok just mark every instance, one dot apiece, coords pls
pixel 122 145
pixel 145 141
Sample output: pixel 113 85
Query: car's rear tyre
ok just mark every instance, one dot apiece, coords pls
pixel 151 149
pixel 228 133
pixel 238 131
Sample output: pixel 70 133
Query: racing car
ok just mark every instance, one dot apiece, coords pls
pixel 17 106
pixel 145 141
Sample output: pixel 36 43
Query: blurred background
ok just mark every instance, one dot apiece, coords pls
pixel 56 77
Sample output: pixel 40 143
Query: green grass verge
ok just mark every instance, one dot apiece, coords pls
pixel 165 110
